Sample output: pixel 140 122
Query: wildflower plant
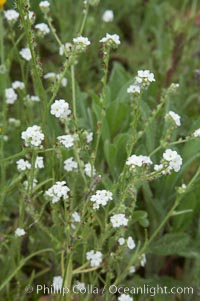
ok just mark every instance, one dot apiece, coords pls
pixel 97 161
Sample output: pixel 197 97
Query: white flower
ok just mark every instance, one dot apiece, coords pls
pixel 18 85
pixel 32 98
pixel 196 133
pixel 58 191
pixel 34 184
pixel 108 16
pixel 57 281
pixel 139 161
pixel 132 269
pixel 19 232
pixel 95 258
pixel 125 297
pixel 26 54
pixel 33 136
pixel 134 89
pixel 111 40
pixel 130 243
pixel 23 165
pixel 144 78
pixel 31 16
pixel 43 28
pixel 60 109
pixel 121 241
pixel 101 198
pixel 173 159
pixel 11 15
pixel 44 6
pixel 89 137
pixel 89 170
pixel 66 140
pixel 81 43
pixel 11 96
pixel 118 220
pixel 70 164
pixel 143 260
pixel 50 75
pixel 76 217
pixel 175 117
pixel 39 162
pixel 65 48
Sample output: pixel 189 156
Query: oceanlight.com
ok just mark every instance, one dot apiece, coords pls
pixel 112 289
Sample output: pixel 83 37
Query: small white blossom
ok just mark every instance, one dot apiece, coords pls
pixel 89 137
pixel 139 161
pixel 121 241
pixel 132 269
pixel 143 260
pixel 144 78
pixel 134 89
pixel 65 48
pixel 58 191
pixel 34 184
pixel 44 6
pixel 95 258
pixel 89 170
pixel 130 243
pixel 43 28
pixel 60 109
pixel 39 162
pixel 57 281
pixel 18 85
pixel 81 43
pixel 26 54
pixel 108 16
pixel 66 140
pixel 31 16
pixel 196 133
pixel 76 217
pixel 20 232
pixel 173 159
pixel 111 40
pixel 11 15
pixel 11 96
pixel 33 136
pixel 118 220
pixel 23 165
pixel 101 198
pixel 50 75
pixel 70 164
pixel 125 297
pixel 175 117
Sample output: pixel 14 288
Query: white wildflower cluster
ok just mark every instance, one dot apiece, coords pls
pixel 26 54
pixel 81 43
pixel 125 297
pixel 89 137
pixel 65 48
pixel 23 165
pixel 138 161
pixel 66 140
pixel 18 85
pixel 174 117
pixel 196 133
pixel 89 170
pixel 33 136
pixel 10 95
pixel 31 16
pixel 130 242
pixel 44 6
pixel 95 258
pixel 39 162
pixel 70 164
pixel 52 76
pixel 42 28
pixel 57 280
pixel 101 198
pixel 20 232
pixel 111 40
pixel 76 217
pixel 143 79
pixel 108 16
pixel 119 220
pixel 58 191
pixel 182 188
pixel 11 15
pixel 173 160
pixel 60 109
